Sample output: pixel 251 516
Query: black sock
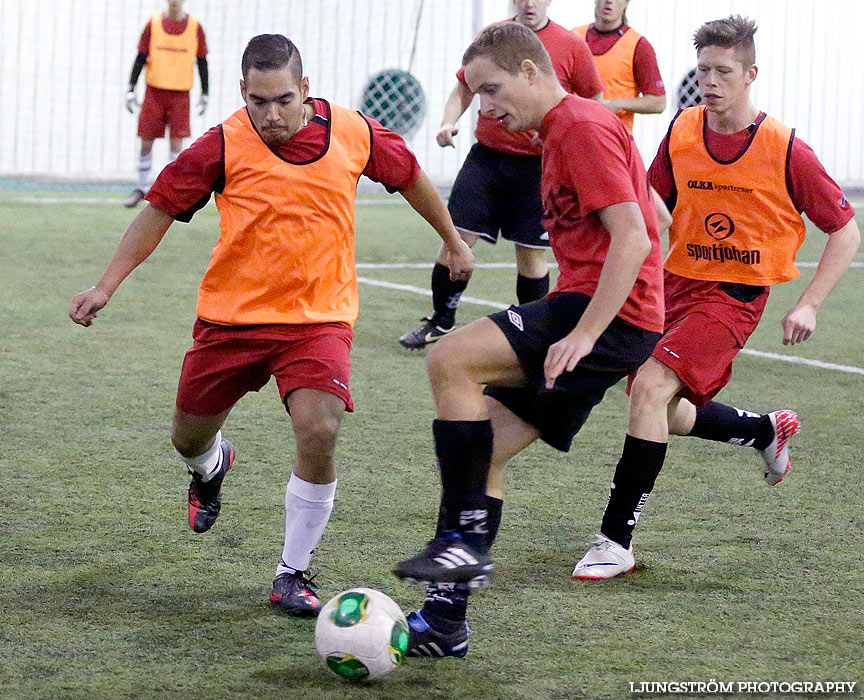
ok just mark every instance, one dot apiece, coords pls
pixel 464 450
pixel 640 463
pixel 446 604
pixel 531 288
pixel 445 295
pixel 715 421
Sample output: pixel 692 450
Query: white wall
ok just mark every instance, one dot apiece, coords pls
pixel 64 66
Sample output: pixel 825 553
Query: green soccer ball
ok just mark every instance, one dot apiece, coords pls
pixel 361 633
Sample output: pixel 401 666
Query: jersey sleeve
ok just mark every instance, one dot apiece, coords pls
pixel 646 72
pixel 660 174
pixel 184 185
pixel 814 192
pixel 582 76
pixel 144 41
pixel 391 162
pixel 202 42
pixel 597 168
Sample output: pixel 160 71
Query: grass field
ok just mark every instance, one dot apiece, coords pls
pixel 107 594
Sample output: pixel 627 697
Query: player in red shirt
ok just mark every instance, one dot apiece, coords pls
pixel 736 181
pixel 547 363
pixel 498 187
pixel 169 45
pixel 279 297
pixel 631 78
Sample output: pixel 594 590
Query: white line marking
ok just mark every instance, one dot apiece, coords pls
pixel 428 292
pixel 794 359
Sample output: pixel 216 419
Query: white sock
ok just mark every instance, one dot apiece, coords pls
pixel 307 510
pixel 207 463
pixel 145 163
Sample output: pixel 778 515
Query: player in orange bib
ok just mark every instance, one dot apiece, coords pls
pixel 626 62
pixel 736 181
pixel 169 47
pixel 279 297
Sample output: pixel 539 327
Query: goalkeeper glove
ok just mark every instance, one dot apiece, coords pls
pixel 202 104
pixel 131 101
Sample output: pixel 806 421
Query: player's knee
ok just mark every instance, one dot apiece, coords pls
pixel 652 390
pixel 444 361
pixel 317 437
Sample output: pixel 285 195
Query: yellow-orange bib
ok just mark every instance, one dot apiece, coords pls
pixel 733 222
pixel 616 70
pixel 171 57
pixel 286 251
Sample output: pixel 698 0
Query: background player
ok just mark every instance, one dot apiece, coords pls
pixel 547 363
pixel 736 180
pixel 170 44
pixel 280 294
pixel 498 186
pixel 626 61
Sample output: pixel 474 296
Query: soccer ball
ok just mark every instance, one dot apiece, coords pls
pixel 361 633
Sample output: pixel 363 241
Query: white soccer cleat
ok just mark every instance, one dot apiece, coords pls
pixel 776 455
pixel 605 559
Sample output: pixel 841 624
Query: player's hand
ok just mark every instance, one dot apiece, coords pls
pixel 460 260
pixel 202 104
pixel 86 304
pixel 446 134
pixel 799 324
pixel 565 355
pixel 131 101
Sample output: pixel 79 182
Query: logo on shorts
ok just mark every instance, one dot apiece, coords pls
pixel 674 354
pixel 515 319
pixel 719 226
pixel 336 381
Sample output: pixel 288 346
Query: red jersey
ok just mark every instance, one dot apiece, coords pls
pixel 574 66
pixel 185 185
pixel 172 26
pixel 811 188
pixel 590 162
pixel 646 73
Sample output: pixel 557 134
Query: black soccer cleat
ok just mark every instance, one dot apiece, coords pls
pixel 204 496
pixel 427 334
pixel 425 641
pixel 447 560
pixel 295 594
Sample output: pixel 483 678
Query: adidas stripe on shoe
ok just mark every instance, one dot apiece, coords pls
pixel 447 560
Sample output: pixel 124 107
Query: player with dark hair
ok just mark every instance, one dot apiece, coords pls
pixel 279 297
pixel 169 46
pixel 545 364
pixel 497 189
pixel 736 181
pixel 626 61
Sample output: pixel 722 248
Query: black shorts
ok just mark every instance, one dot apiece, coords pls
pixel 560 412
pixel 497 191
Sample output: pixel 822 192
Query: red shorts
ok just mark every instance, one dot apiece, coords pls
pixel 163 108
pixel 707 325
pixel 227 362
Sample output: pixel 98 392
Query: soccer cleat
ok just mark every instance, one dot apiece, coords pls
pixel 447 560
pixel 776 455
pixel 204 496
pixel 132 200
pixel 295 594
pixel 425 641
pixel 427 334
pixel 605 559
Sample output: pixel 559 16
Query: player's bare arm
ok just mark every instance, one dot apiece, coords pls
pixel 457 102
pixel 644 104
pixel 141 238
pixel 664 217
pixel 423 196
pixel 628 248
pixel 799 324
